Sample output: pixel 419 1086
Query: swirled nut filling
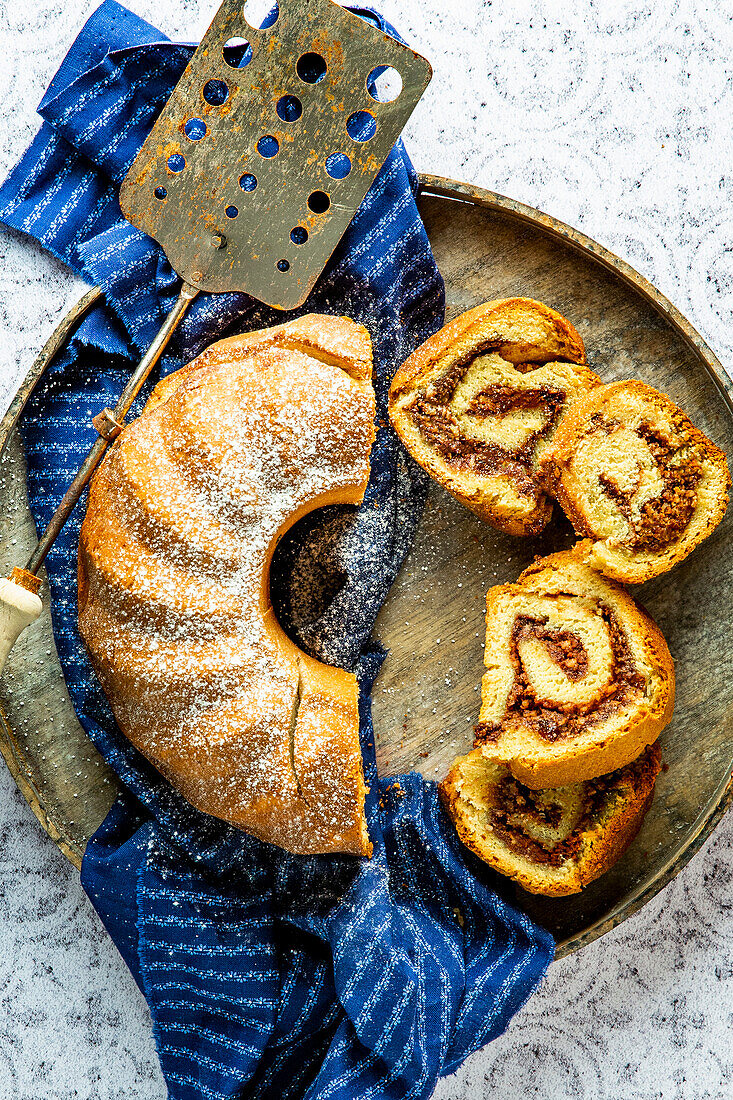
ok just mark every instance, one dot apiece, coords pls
pixel 565 648
pixel 438 424
pixel 664 518
pixel 552 723
pixel 525 820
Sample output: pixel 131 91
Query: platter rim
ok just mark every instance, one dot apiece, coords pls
pixel 453 190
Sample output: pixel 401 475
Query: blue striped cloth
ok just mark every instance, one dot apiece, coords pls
pixel 267 975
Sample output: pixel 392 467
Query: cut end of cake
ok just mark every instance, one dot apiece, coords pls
pixel 637 478
pixel 552 841
pixel 579 679
pixel 478 404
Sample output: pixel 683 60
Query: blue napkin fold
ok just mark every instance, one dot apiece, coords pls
pixel 267 975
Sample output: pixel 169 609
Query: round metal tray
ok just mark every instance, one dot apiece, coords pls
pixel 426 696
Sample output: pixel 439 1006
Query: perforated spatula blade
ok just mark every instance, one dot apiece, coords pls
pixel 268 145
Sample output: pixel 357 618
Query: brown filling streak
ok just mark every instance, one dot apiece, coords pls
pixel 439 426
pixel 663 518
pixel 515 799
pixel 553 723
pixel 565 648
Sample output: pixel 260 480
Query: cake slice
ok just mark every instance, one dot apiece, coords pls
pixel 552 841
pixel 477 405
pixel 579 679
pixel 638 478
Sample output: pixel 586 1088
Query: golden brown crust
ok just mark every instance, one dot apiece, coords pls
pixel 600 839
pixel 182 521
pixel 618 702
pixel 636 477
pixel 338 341
pixel 513 346
pixel 501 323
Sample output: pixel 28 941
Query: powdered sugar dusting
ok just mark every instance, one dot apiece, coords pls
pixel 182 519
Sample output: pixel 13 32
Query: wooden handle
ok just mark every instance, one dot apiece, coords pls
pixel 18 609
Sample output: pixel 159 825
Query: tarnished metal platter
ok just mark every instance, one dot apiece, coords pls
pixel 426 696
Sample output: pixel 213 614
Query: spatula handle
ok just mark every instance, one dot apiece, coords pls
pixel 20 604
pixel 109 425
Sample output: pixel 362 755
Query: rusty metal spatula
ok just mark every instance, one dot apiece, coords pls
pixel 252 172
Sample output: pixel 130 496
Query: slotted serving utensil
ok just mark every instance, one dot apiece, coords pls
pixel 251 174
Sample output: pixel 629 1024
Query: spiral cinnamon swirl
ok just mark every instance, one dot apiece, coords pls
pixel 552 841
pixel 478 404
pixel 579 679
pixel 636 476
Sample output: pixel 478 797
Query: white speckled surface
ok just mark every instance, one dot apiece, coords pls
pixel 615 117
